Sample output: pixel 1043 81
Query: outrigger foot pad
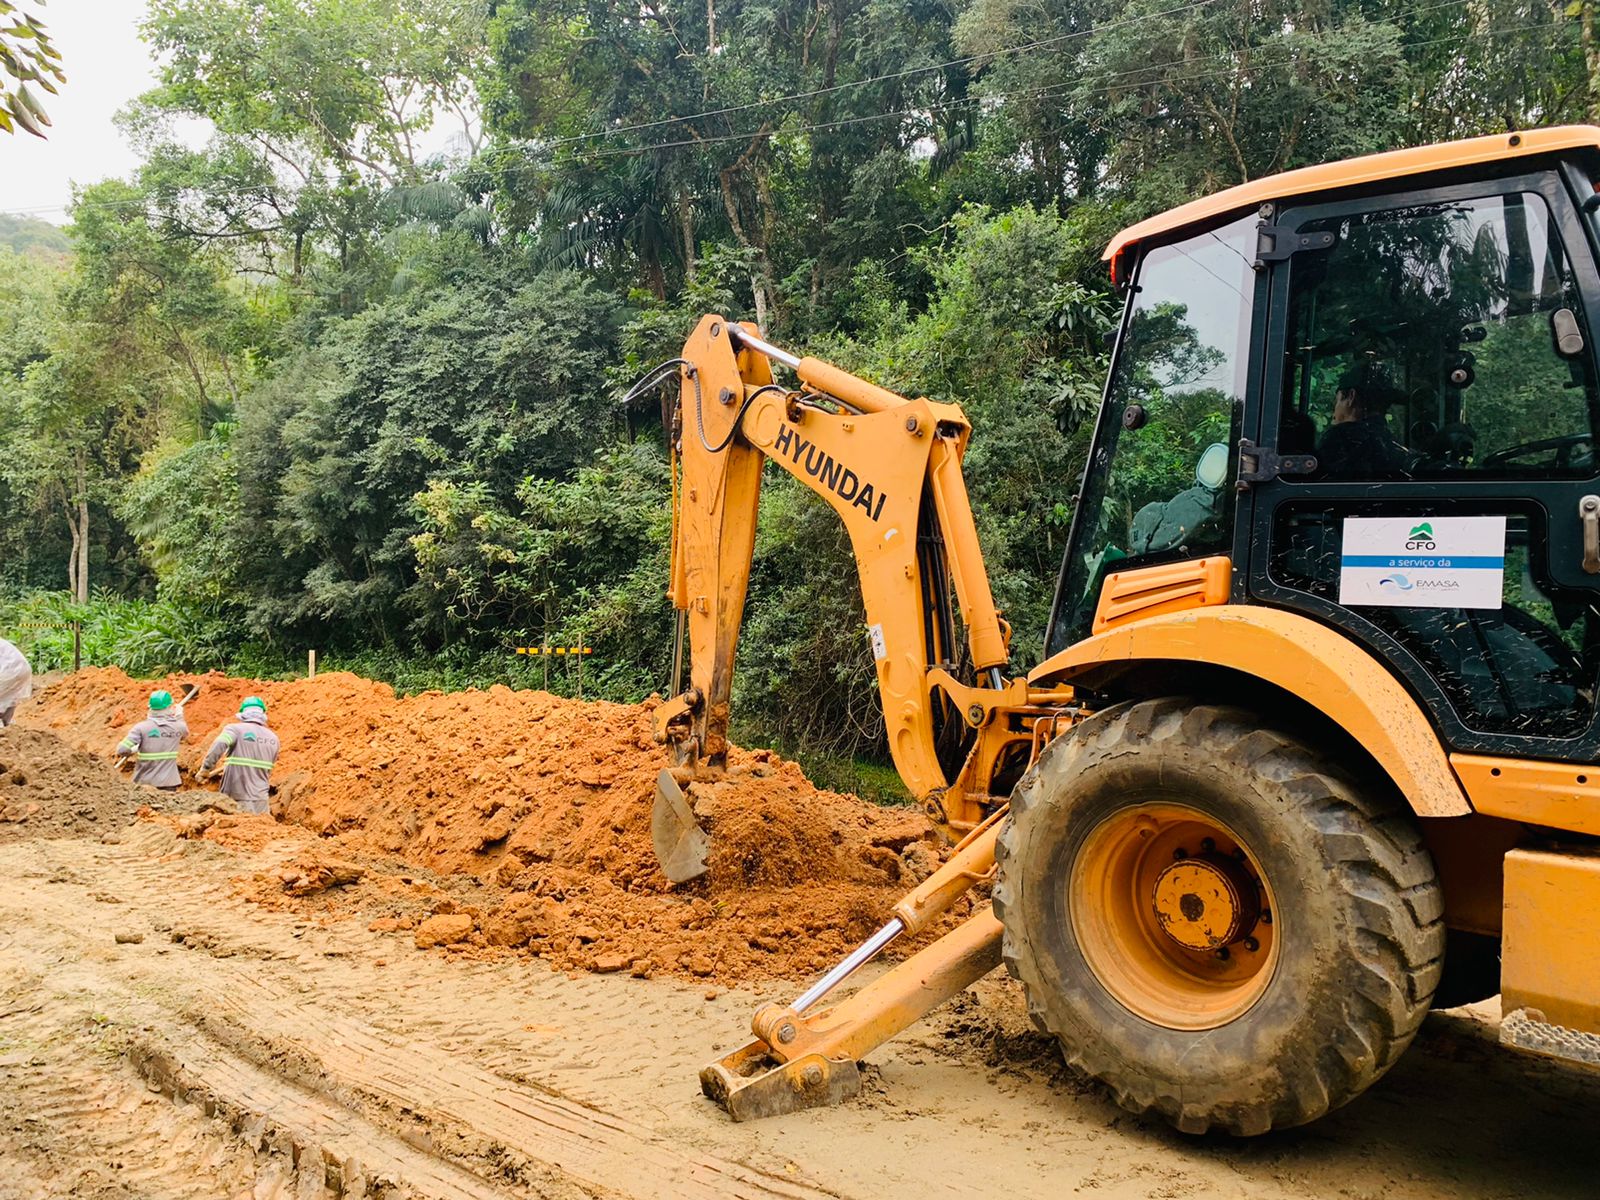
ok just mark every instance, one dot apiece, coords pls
pixel 750 1084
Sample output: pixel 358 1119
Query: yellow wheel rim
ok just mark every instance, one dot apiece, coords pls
pixel 1174 916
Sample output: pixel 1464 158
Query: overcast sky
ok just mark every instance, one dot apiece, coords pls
pixel 107 65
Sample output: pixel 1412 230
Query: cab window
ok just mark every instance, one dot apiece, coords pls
pixel 1439 339
pixel 1159 481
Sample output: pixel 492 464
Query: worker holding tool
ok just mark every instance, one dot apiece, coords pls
pixel 251 750
pixel 153 743
pixel 16 681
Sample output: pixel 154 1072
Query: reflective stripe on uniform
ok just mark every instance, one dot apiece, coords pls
pixel 235 761
pixel 155 756
pixel 225 738
pixel 129 746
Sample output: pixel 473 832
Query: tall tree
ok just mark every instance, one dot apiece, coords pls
pixel 765 124
pixel 351 82
pixel 160 302
pixel 70 418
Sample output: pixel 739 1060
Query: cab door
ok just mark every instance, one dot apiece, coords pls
pixel 1430 393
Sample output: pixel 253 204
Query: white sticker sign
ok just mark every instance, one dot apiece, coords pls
pixel 1423 562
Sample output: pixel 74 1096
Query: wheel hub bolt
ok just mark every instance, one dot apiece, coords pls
pixel 1180 854
pixel 1207 845
pixel 1266 917
pixel 1252 944
pixel 1223 954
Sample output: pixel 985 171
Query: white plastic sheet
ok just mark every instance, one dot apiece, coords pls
pixel 16 676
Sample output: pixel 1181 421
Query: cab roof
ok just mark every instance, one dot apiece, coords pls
pixel 1353 172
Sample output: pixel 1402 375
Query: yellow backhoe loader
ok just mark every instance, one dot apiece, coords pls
pixel 1314 745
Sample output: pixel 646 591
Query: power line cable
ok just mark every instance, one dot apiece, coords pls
pixel 988 55
pixel 751 135
pixel 893 75
pixel 545 147
pixel 556 143
pixel 1040 92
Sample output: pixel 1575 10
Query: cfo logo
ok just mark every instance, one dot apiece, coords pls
pixel 1395 583
pixel 1421 538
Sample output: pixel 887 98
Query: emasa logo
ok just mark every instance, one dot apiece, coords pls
pixel 1421 537
pixel 1395 583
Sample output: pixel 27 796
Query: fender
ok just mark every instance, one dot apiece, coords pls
pixel 1329 671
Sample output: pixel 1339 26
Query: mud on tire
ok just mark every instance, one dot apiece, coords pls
pixel 1358 927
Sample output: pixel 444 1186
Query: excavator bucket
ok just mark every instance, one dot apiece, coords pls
pixel 681 845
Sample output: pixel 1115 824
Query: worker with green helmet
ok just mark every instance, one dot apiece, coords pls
pixel 153 743
pixel 251 750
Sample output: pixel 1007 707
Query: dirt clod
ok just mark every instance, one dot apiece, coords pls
pixel 313 874
pixel 445 929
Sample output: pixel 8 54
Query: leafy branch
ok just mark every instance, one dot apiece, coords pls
pixel 26 56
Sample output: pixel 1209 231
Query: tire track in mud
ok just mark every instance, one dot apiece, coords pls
pixel 469 1108
pixel 257 1042
pixel 105 1096
pixel 334 1151
pixel 75 1120
pixel 328 1010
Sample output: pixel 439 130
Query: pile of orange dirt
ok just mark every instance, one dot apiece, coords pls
pixel 546 802
pixel 50 789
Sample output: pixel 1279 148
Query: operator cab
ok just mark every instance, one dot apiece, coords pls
pixel 1367 392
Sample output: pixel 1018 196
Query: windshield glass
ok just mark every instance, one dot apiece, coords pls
pixel 1175 390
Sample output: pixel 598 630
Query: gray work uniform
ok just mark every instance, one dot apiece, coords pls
pixel 251 748
pixel 153 744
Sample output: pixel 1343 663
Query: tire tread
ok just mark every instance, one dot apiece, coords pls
pixel 1382 867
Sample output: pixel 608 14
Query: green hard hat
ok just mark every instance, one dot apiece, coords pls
pixel 160 700
pixel 252 702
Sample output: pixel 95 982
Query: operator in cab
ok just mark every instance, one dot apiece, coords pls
pixel 1358 443
pixel 252 749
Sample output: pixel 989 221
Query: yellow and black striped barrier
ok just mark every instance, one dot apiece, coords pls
pixel 77 635
pixel 547 652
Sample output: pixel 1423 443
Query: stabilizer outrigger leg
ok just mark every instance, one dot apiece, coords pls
pixel 807 1061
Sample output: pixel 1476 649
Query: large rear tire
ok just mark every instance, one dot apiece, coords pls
pixel 1214 919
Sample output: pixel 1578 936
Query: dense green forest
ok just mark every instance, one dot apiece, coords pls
pixel 29 235
pixel 312 386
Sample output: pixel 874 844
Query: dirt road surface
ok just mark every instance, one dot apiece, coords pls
pixel 161 1035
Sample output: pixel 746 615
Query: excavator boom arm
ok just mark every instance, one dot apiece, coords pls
pixel 891 468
